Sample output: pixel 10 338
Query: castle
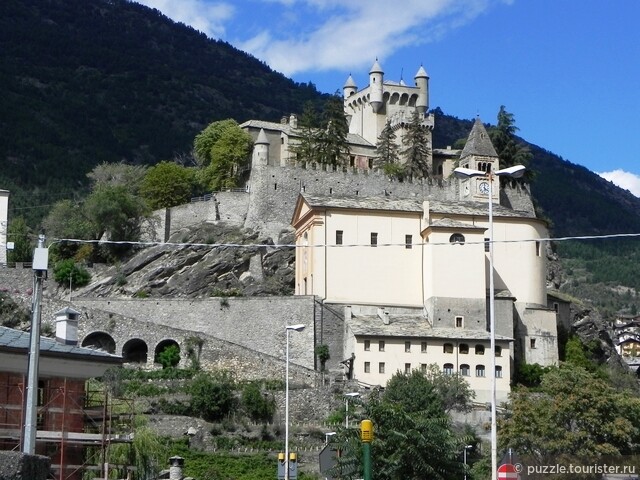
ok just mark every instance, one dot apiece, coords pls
pixel 391 275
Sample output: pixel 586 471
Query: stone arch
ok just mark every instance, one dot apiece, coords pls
pixel 162 345
pixel 100 341
pixel 135 351
pixel 404 99
pixel 412 100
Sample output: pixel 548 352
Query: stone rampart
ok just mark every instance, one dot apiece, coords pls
pixel 253 323
pixel 274 191
pixel 267 204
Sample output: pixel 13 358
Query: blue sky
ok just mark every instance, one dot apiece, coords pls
pixel 569 70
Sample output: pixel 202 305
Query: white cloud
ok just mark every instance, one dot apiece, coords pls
pixel 203 15
pixel 628 181
pixel 342 35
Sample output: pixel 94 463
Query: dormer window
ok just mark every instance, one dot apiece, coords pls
pixel 457 238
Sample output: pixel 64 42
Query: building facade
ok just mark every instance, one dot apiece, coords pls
pixel 422 265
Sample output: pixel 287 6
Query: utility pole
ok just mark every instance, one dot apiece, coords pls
pixel 40 266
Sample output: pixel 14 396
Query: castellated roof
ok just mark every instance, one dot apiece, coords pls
pixel 410 205
pixel 479 142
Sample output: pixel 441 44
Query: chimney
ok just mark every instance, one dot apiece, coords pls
pixel 67 326
pixel 283 120
pixel 293 121
pixel 175 468
pixel 384 315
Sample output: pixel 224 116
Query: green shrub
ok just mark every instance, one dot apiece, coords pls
pixel 169 357
pixel 259 407
pixel 67 272
pixel 212 395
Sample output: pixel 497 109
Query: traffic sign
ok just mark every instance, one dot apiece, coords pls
pixel 507 471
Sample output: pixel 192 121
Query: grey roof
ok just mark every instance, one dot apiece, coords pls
pixel 411 205
pixel 11 339
pixel 286 128
pixel 478 142
pixel 350 83
pixel 422 73
pixel 376 68
pixel 412 326
pixel 449 223
pixel 365 203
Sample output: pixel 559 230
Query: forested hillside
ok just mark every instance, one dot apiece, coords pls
pixel 91 81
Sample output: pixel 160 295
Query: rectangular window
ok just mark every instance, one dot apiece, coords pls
pixel 423 347
pixel 408 241
pixel 367 367
pixel 486 244
pixel 374 239
pixel 381 346
pixel 339 237
pixel 367 345
pixel 423 367
pixel 407 368
pixel 459 322
pixel 407 347
pixel 381 367
pixel 556 307
pixel 538 249
pixel 532 343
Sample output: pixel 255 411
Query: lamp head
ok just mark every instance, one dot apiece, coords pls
pixel 299 327
pixel 463 172
pixel 516 171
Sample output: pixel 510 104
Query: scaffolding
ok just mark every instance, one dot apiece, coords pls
pixel 76 427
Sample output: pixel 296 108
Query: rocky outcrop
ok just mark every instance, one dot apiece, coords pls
pixel 202 261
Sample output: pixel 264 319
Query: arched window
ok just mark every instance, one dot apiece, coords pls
pixel 480 371
pixel 448 369
pixel 498 371
pixel 479 349
pixel 447 348
pixel 465 370
pixel 456 238
pixel 463 348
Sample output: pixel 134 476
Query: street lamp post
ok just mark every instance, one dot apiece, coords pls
pixel 464 456
pixel 297 328
pixel 514 172
pixel 347 396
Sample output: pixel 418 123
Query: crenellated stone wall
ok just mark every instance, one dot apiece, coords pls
pixel 266 204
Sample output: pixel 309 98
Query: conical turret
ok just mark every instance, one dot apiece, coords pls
pixel 422 82
pixel 349 87
pixel 376 79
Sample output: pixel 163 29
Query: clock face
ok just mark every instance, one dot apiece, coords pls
pixel 484 188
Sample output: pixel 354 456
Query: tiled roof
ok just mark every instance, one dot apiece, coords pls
pixel 366 203
pixel 478 142
pixel 19 340
pixel 411 326
pixel 411 205
pixel 352 138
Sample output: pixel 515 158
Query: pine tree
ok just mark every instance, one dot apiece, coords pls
pixel 333 145
pixel 417 150
pixel 307 148
pixel 510 150
pixel 388 153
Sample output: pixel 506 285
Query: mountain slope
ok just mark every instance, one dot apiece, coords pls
pixel 89 81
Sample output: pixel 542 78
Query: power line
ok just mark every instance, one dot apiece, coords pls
pixel 322 245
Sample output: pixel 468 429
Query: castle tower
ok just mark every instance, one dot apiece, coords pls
pixel 376 79
pixel 478 154
pixel 260 155
pixel 422 82
pixel 350 87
